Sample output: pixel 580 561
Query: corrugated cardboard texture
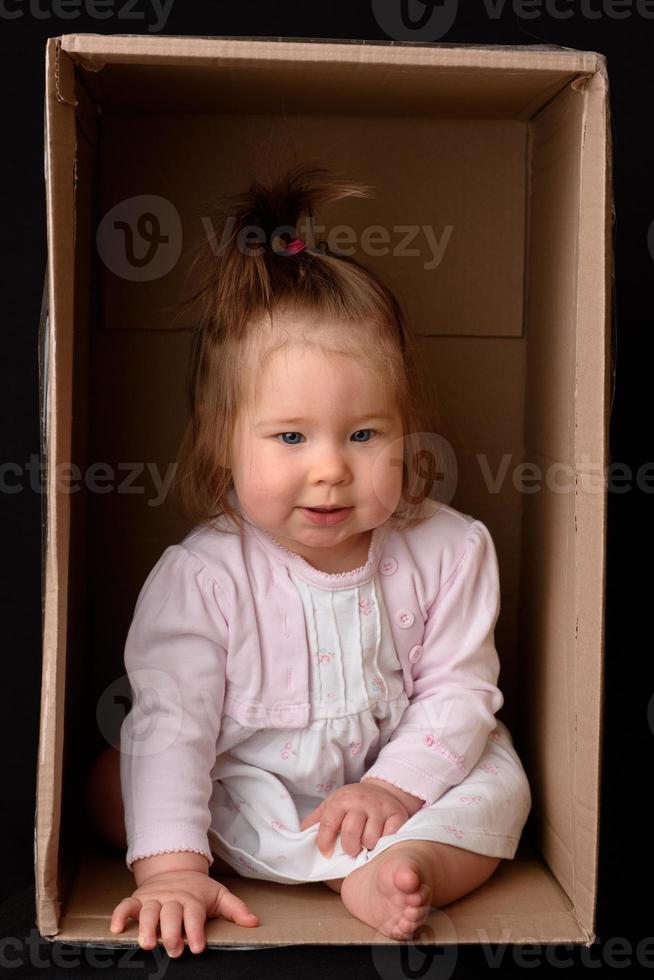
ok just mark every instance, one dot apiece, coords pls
pixel 507 146
pixel 455 255
pixel 522 902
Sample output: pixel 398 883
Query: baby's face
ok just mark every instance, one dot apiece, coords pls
pixel 320 432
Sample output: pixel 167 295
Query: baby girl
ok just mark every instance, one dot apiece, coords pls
pixel 313 666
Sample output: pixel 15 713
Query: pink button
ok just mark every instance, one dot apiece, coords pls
pixel 415 654
pixel 388 566
pixel 404 618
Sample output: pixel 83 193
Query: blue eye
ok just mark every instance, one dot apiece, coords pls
pixel 290 434
pixel 281 435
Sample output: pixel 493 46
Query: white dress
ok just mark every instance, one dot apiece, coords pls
pixel 266 780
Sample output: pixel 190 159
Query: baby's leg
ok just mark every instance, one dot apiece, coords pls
pixel 104 804
pixel 395 891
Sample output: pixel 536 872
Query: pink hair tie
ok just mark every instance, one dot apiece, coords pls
pixel 295 246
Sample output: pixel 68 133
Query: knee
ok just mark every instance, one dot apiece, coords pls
pixel 103 798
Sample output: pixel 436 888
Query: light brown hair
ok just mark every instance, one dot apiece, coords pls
pixel 245 283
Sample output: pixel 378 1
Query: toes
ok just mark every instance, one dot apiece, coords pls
pixel 407 878
pixel 410 921
pixel 403 930
pixel 415 915
pixel 419 897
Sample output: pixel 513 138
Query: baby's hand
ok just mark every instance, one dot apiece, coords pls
pixel 173 896
pixel 362 812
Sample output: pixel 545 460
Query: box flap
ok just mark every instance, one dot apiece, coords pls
pixel 140 71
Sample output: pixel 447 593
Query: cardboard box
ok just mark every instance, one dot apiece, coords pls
pixel 509 147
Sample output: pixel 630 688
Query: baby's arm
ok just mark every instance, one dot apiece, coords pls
pixel 175 656
pixel 445 728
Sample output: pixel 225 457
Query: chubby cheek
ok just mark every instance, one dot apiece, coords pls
pixel 385 480
pixel 267 479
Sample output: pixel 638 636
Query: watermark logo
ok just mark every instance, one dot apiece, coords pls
pixel 147 711
pixel 415 20
pixel 418 956
pixel 433 961
pixel 430 20
pixel 155 720
pixel 140 239
pixel 429 464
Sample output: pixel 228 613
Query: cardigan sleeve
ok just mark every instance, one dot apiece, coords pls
pixel 445 727
pixel 175 658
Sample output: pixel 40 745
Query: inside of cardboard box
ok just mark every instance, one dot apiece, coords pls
pixel 496 163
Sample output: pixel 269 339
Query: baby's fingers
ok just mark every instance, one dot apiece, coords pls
pixel 148 920
pixel 330 826
pixel 194 918
pixel 147 914
pixel 393 824
pixel 313 816
pixel 128 907
pixel 171 927
pixel 234 908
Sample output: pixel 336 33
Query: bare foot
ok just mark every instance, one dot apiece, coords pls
pixel 392 892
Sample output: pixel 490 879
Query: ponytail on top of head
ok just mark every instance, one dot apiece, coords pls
pixel 248 276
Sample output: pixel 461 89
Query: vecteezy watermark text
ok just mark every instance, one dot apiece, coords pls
pixel 417 957
pixel 18 951
pixel 128 10
pixel 429 20
pixel 526 477
pixel 98 477
pixel 140 238
pixel 342 239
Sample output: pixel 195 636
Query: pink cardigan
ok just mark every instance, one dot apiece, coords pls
pixel 219 627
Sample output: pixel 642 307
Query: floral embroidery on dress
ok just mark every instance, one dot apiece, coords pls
pixel 246 864
pixel 287 750
pixel 438 745
pixel 452 830
pixel 470 799
pixel 366 606
pixel 487 767
pixel 354 747
pixel 325 656
pixel 325 787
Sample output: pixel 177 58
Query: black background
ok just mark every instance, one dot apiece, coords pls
pixel 626 825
